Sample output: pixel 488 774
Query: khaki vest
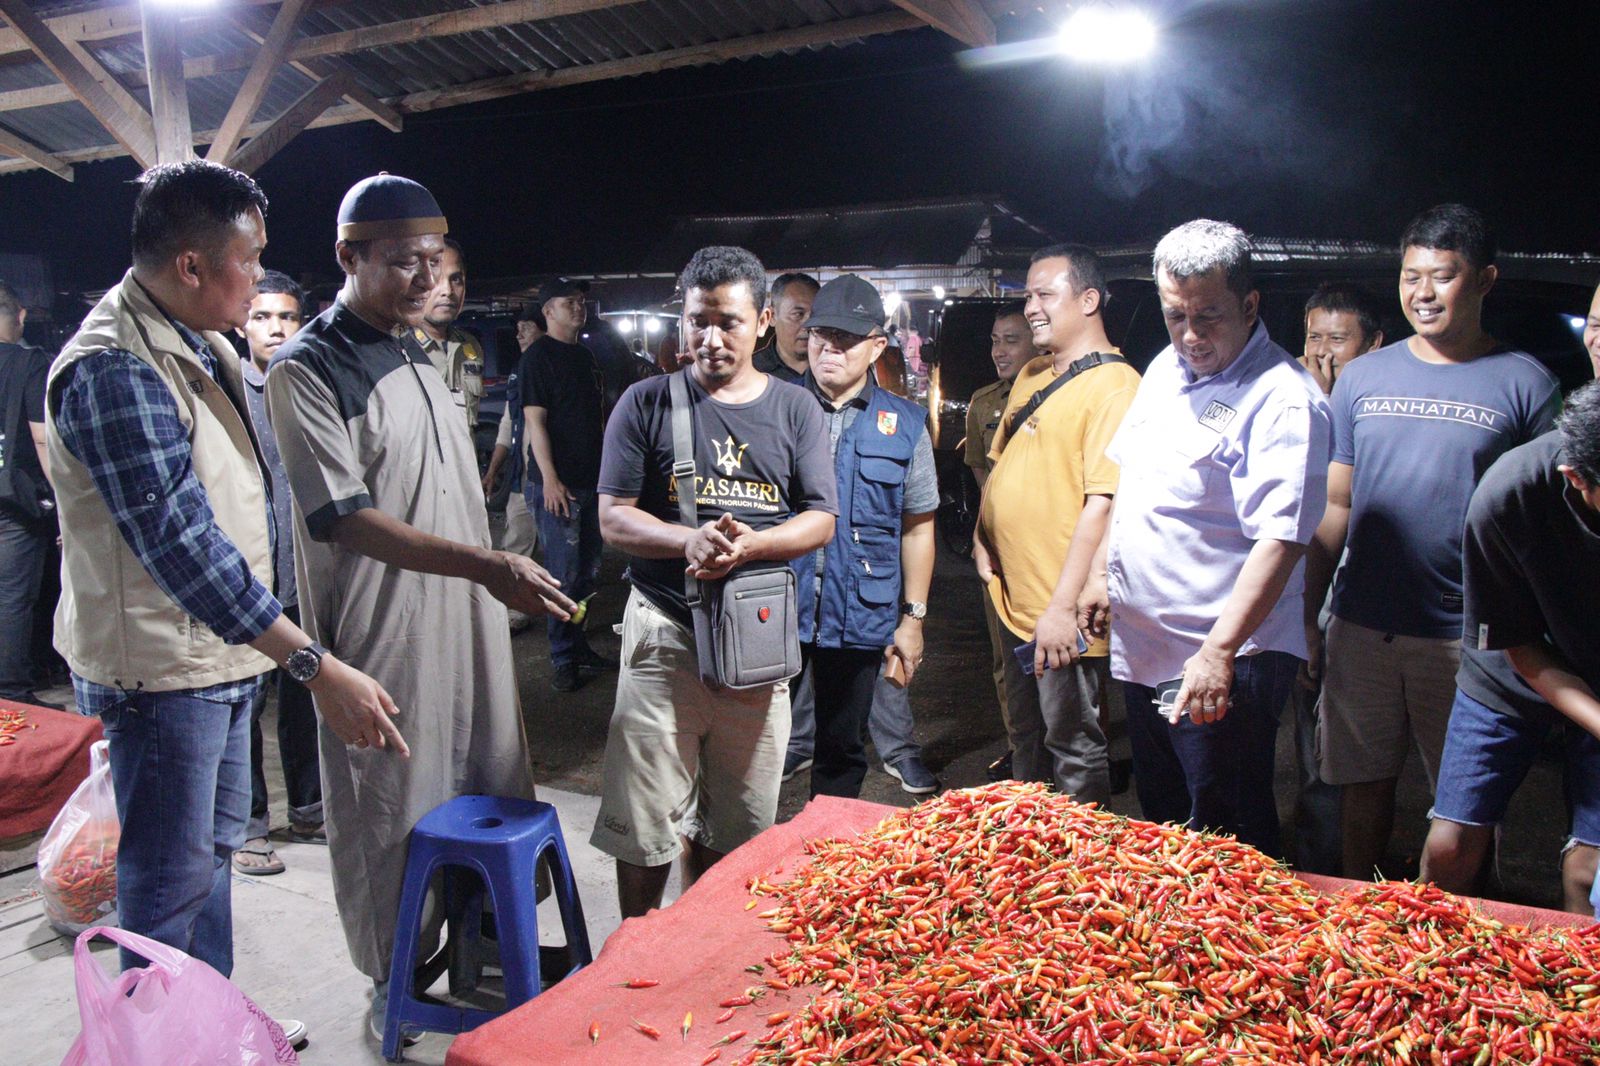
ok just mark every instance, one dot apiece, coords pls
pixel 115 626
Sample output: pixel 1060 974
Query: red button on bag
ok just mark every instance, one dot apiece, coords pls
pixel 764 613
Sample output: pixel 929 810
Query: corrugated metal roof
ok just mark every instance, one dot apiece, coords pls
pixel 629 29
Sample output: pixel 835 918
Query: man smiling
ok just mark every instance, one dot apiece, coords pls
pixel 396 570
pixel 1416 424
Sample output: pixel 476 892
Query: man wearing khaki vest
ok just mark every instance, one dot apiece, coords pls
pixel 166 619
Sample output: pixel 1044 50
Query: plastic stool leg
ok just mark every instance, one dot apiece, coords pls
pixel 566 891
pixel 404 960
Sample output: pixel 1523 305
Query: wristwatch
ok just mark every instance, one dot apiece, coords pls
pixel 915 609
pixel 304 664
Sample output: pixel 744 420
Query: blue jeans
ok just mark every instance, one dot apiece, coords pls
pixel 23 546
pixel 889 723
pixel 572 547
pixel 180 767
pixel 1216 776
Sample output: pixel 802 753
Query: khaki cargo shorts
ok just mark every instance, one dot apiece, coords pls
pixel 1382 693
pixel 682 760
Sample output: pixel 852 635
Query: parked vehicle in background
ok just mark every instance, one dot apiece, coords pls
pixel 1538 304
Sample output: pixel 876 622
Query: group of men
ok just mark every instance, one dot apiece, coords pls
pixel 1154 529
pixel 1251 532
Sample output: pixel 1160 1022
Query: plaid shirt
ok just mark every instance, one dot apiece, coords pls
pixel 120 420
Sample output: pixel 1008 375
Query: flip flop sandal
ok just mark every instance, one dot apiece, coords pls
pixel 300 834
pixel 261 847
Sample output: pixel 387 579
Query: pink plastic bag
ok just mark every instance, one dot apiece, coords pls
pixel 180 1012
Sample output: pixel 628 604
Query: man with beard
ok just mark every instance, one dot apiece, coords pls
pixel 691 770
pixel 395 568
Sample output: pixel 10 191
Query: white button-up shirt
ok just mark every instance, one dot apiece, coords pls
pixel 1210 466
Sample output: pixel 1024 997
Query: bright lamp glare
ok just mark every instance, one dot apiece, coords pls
pixel 891 303
pixel 652 325
pixel 182 4
pixel 625 324
pixel 938 292
pixel 1100 34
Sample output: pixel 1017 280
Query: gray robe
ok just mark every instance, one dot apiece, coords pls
pixel 363 420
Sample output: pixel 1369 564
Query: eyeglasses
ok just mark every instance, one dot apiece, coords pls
pixel 843 340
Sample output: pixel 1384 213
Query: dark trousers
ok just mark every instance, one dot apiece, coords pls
pixel 297 746
pixel 1216 776
pixel 572 548
pixel 842 680
pixel 23 546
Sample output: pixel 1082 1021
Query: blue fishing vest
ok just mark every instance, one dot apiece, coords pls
pixel 859 604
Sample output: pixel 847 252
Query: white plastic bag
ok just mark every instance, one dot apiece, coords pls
pixel 175 1012
pixel 78 856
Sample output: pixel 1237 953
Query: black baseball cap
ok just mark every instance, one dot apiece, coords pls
pixel 848 302
pixel 532 313
pixel 556 288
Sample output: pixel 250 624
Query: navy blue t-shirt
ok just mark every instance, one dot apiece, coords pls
pixel 1420 435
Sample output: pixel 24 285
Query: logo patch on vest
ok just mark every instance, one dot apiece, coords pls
pixel 888 423
pixel 1217 415
pixel 197 387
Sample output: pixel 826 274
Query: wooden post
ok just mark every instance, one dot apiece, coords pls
pixel 169 96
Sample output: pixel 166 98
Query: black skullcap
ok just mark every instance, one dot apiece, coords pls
pixel 389 206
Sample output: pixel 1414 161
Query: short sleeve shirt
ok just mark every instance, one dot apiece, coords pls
pixel 24 369
pixel 1210 466
pixel 1042 477
pixel 1531 557
pixel 762 461
pixel 1419 435
pixel 984 411
pixel 565 380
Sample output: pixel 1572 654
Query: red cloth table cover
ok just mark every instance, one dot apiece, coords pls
pixel 698 949
pixel 41 769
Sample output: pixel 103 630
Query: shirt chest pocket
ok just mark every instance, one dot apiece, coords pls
pixel 1185 464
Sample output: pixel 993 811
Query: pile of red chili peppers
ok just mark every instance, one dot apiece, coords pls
pixel 1010 925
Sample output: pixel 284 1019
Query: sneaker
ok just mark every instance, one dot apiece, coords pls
pixel 568 678
pixel 519 621
pixel 1000 769
pixel 794 762
pixel 380 1007
pixel 294 1031
pixel 913 776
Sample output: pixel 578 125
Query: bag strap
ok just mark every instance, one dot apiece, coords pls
pixel 683 467
pixel 1088 362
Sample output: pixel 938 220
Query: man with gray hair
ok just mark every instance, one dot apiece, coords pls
pixel 1224 458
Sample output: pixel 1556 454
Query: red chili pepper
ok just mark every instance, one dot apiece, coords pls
pixel 737 1001
pixel 648 1030
pixel 594 1032
pixel 725 1016
pixel 639 982
pixel 688 1020
pixel 709 1059
pixel 737 1034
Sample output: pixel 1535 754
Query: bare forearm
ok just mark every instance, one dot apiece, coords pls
pixel 1562 689
pixel 805 532
pixel 395 543
pixel 539 444
pixel 1261 582
pixel 629 528
pixel 1322 556
pixel 1084 548
pixel 917 549
pixel 36 430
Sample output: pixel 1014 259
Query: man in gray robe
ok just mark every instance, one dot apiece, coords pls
pixel 393 558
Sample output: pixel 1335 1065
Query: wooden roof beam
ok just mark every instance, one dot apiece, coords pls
pixel 137 136
pixel 169 93
pixel 98 24
pixel 22 148
pixel 283 129
pixel 833 33
pixel 254 88
pixel 375 106
pixel 965 20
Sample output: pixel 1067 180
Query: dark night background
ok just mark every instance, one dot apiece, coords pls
pixel 1306 119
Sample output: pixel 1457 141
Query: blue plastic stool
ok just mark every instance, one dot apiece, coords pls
pixel 502 840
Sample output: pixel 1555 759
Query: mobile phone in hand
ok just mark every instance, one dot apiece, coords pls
pixel 894 671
